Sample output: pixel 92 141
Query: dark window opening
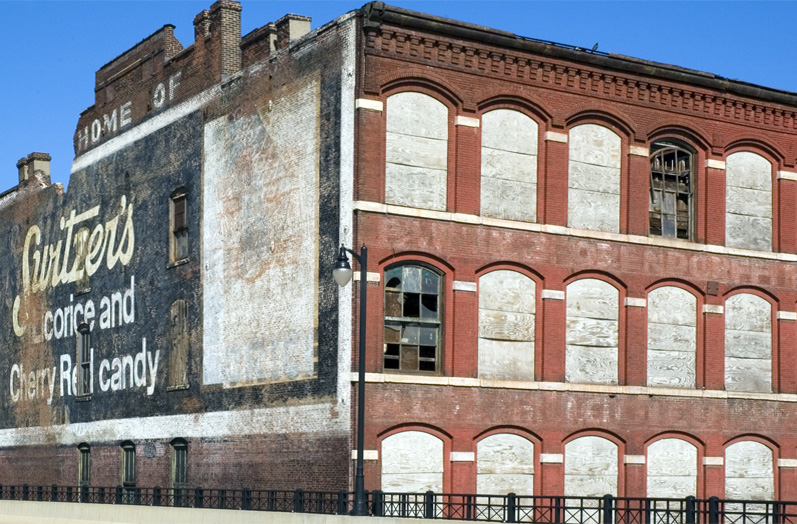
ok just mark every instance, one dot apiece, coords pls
pixel 671 191
pixel 83 360
pixel 412 319
pixel 84 465
pixel 179 227
pixel 129 491
pixel 180 471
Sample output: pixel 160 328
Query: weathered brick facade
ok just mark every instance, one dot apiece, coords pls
pixel 547 311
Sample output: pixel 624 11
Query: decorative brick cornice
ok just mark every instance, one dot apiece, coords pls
pixel 579 78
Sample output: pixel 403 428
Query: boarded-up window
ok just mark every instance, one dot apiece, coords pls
pixel 672 337
pixel 749 472
pixel 592 332
pixel 590 467
pixel 505 464
pixel 593 200
pixel 672 468
pixel 179 337
pixel 748 201
pixel 509 165
pixel 81 242
pixel 412 462
pixel 507 304
pixel 748 343
pixel 416 151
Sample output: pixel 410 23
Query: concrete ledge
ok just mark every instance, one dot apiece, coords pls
pixel 17 512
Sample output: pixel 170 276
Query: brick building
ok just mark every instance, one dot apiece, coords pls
pixel 581 276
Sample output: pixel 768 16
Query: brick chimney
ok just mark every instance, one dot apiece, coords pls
pixel 34 166
pixel 225 33
pixel 291 27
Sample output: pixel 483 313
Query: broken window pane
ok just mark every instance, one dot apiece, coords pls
pixel 412 279
pixel 671 192
pixel 412 305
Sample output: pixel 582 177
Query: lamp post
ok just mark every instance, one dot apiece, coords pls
pixel 342 274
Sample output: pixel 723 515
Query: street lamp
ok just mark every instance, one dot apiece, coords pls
pixel 342 274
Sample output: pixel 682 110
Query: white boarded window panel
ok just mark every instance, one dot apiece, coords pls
pixel 509 165
pixel 507 305
pixel 748 343
pixel 749 472
pixel 416 151
pixel 592 332
pixel 672 337
pixel 505 464
pixel 748 201
pixel 590 467
pixel 672 468
pixel 412 462
pixel 593 197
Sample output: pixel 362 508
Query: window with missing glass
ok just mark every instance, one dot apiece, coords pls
pixel 413 300
pixel 671 190
pixel 83 360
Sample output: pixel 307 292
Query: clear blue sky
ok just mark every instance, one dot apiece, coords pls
pixel 50 50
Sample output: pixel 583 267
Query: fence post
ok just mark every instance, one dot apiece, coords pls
pixel 68 493
pixel 246 499
pixel 54 493
pixel 690 510
pixel 557 510
pixel 378 498
pixel 511 507
pixel 118 494
pixel 776 513
pixel 25 491
pixel 298 501
pixel 713 510
pixel 607 509
pixel 198 498
pixel 272 500
pixel 428 505
pixel 648 510
pixel 156 496
pixel 343 502
pixel 83 496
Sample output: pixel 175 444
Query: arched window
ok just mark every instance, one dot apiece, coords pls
pixel 592 332
pixel 748 201
pixel 748 343
pixel 590 467
pixel 507 304
pixel 413 318
pixel 505 464
pixel 412 462
pixel 671 190
pixel 593 197
pixel 672 337
pixel 416 151
pixel 749 471
pixel 509 165
pixel 672 468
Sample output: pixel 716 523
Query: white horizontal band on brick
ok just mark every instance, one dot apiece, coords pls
pixel 461 285
pixel 634 459
pixel 372 277
pixel 364 103
pixel 553 294
pixel 553 136
pixel 552 458
pixel 466 121
pixel 463 456
pixel 787 175
pixel 639 151
pixel 786 315
pixel 635 302
pixel 787 463
pixel 549 229
pixel 713 309
pixel 713 461
pixel 368 454
pixel 715 164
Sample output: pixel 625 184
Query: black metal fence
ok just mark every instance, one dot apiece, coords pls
pixel 430 505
